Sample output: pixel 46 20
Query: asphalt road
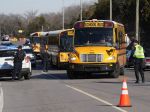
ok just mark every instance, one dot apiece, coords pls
pixel 54 92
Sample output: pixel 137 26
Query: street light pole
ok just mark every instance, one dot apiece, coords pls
pixel 42 28
pixel 110 9
pixel 0 31
pixel 63 23
pixel 81 10
pixel 137 20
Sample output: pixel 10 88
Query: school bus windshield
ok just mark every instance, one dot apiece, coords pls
pixel 94 37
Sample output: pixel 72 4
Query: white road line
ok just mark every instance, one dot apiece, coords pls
pixel 1 99
pixel 96 98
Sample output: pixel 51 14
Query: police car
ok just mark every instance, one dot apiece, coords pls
pixel 29 52
pixel 6 62
pixel 6 43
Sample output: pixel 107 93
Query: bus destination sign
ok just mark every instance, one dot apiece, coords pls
pixel 94 24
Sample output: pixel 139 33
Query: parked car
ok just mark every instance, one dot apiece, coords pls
pixel 29 52
pixel 7 43
pixel 7 64
pixel 147 58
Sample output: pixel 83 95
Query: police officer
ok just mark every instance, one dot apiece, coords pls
pixel 138 56
pixel 18 58
pixel 45 59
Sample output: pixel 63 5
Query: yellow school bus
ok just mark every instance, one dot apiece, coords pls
pixel 59 45
pixel 38 42
pixel 98 46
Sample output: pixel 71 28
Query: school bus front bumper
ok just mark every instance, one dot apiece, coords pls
pixel 92 67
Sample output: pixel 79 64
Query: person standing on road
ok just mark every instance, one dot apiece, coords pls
pixel 138 56
pixel 18 58
pixel 45 59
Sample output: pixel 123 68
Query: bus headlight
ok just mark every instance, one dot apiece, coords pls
pixel 73 58
pixel 111 58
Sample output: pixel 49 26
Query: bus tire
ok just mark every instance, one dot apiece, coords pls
pixel 58 65
pixel 27 76
pixel 34 65
pixel 50 59
pixel 122 71
pixel 71 74
pixel 116 72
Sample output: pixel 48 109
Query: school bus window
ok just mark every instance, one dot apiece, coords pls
pixel 116 35
pixel 66 43
pixel 36 40
pixel 94 36
pixel 117 43
pixel 62 44
pixel 120 37
pixel 44 41
pixel 123 39
pixel 53 41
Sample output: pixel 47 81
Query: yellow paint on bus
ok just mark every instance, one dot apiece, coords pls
pixel 38 42
pixel 98 46
pixel 59 45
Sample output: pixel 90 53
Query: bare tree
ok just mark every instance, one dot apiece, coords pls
pixel 32 21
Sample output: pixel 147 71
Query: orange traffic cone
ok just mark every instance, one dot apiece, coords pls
pixel 124 97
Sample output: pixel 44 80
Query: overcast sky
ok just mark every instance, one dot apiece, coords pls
pixel 42 6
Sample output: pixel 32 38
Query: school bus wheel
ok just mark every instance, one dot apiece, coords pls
pixel 116 72
pixel 71 74
pixel 58 65
pixel 122 71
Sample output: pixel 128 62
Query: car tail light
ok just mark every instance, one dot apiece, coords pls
pixel 27 59
pixel 147 60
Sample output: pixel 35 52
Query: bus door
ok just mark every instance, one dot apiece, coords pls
pixel 120 45
pixel 44 44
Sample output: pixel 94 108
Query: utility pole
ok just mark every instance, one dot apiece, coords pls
pixel 0 31
pixel 137 20
pixel 81 8
pixel 63 23
pixel 42 28
pixel 110 9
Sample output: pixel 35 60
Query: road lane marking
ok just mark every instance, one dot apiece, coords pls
pixel 96 98
pixel 1 99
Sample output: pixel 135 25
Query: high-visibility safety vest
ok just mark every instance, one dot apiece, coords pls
pixel 139 52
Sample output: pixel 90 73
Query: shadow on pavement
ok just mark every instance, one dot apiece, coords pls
pixel 49 76
pixel 108 105
pixel 6 79
pixel 112 82
pixel 141 84
pixel 63 76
